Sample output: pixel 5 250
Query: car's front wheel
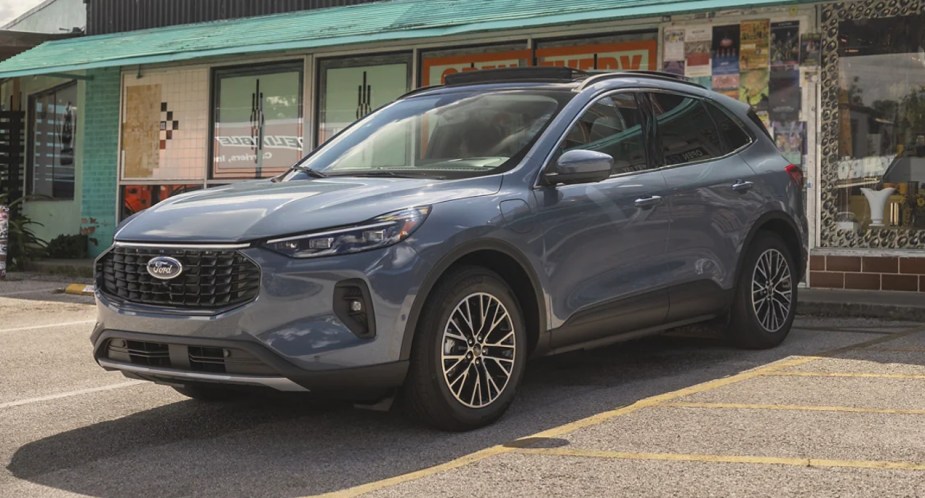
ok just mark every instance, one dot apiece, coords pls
pixel 469 352
pixel 766 295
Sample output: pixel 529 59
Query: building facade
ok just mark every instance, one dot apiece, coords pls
pixel 177 108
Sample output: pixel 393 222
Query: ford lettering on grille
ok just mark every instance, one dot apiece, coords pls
pixel 164 267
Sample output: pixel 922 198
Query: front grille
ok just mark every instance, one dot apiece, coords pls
pixel 211 279
pixel 207 359
pixel 187 358
pixel 142 353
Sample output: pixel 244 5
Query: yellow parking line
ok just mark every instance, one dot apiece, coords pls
pixel 608 415
pixel 806 408
pixel 683 457
pixel 859 375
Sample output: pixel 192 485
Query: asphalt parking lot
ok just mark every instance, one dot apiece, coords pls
pixel 838 409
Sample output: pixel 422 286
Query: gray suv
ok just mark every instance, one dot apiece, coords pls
pixel 431 248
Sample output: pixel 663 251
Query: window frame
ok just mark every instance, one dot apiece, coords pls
pixel 217 72
pixel 647 134
pixel 29 179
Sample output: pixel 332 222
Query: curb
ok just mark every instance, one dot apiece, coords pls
pixel 80 290
pixel 861 310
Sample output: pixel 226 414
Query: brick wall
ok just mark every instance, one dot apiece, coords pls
pixel 101 155
pixel 867 272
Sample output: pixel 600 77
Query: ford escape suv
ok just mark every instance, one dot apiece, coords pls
pixel 431 248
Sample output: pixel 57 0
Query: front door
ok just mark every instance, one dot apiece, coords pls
pixel 603 243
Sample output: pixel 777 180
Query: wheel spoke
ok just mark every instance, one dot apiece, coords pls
pixel 772 294
pixel 477 373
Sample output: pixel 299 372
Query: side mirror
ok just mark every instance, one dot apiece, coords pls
pixel 579 166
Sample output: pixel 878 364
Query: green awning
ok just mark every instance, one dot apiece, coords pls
pixel 339 26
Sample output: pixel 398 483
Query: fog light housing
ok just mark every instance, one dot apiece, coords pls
pixel 353 306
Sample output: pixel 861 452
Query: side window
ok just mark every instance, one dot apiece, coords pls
pixel 686 130
pixel 612 125
pixel 731 131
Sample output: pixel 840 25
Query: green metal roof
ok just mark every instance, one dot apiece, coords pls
pixel 338 26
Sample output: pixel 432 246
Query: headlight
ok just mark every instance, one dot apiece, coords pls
pixel 382 231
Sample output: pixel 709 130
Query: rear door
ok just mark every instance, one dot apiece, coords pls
pixel 711 196
pixel 603 243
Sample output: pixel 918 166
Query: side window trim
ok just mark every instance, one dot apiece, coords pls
pixel 703 102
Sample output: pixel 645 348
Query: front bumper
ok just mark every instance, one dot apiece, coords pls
pixel 290 337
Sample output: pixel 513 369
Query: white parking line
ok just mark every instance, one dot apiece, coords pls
pixel 50 325
pixel 70 393
pixel 34 291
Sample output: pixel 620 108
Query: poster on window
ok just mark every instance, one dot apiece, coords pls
pixel 754 52
pixel 790 138
pixel 725 52
pixel 436 67
pixel 810 49
pixel 673 57
pixel 697 45
pixel 754 89
pixel 627 56
pixel 351 92
pixel 785 94
pixel 785 44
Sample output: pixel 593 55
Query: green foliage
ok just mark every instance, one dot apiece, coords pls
pixel 67 247
pixel 23 245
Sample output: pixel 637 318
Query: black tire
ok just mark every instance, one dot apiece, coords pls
pixel 759 319
pixel 208 393
pixel 427 394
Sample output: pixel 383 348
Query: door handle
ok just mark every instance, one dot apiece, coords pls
pixel 743 186
pixel 646 202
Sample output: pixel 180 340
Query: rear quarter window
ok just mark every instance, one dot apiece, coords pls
pixel 733 135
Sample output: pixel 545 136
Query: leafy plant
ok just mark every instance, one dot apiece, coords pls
pixel 23 245
pixel 67 247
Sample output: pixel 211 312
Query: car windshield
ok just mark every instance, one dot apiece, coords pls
pixel 455 135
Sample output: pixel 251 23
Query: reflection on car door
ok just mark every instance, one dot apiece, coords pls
pixel 711 197
pixel 603 243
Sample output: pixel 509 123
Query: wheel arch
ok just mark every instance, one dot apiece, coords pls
pixel 783 226
pixel 501 258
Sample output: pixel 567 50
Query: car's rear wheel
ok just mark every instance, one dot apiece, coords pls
pixel 766 295
pixel 207 393
pixel 469 352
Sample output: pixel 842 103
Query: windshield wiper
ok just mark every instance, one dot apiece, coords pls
pixel 310 172
pixel 381 173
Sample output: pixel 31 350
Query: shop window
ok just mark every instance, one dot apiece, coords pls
pixel 881 112
pixel 626 52
pixel 352 88
pixel 137 198
pixel 258 127
pixel 436 65
pixel 53 130
pixel 612 125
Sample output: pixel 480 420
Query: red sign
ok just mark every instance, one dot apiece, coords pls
pixel 629 56
pixel 436 69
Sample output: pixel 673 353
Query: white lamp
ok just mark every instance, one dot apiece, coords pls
pixel 877 200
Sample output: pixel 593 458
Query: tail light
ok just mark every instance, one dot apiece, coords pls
pixel 796 174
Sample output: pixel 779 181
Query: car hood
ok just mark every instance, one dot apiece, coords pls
pixel 262 209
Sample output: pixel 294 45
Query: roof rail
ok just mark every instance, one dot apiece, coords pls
pixel 606 75
pixel 555 74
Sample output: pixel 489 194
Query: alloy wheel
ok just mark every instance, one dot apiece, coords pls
pixel 772 290
pixel 478 350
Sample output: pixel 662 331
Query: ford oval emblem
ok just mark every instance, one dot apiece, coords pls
pixel 164 267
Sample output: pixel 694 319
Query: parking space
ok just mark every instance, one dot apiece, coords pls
pixel 835 410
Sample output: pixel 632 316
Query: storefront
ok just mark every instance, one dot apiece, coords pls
pixel 837 85
pixel 872 136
